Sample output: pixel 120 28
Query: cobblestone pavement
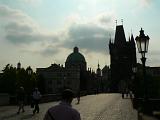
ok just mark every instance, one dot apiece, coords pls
pixel 91 107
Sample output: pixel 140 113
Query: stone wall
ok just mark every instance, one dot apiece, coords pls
pixel 4 99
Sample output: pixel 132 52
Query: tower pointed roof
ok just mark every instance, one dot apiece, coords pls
pixel 129 38
pixel 132 38
pixel 132 41
pixel 98 66
pixel 18 65
pixel 120 35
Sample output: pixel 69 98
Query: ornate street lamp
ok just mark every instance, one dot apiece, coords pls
pixel 142 43
pixel 133 79
pixel 29 70
pixel 64 81
pixel 134 69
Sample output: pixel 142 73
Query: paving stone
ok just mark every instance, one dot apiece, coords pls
pixel 91 107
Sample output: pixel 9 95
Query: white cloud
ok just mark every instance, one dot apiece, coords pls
pixel 7 14
pixel 21 28
pixel 32 2
pixel 145 3
pixel 89 34
pixel 105 19
pixel 21 31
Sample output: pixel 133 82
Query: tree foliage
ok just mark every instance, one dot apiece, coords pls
pixel 12 78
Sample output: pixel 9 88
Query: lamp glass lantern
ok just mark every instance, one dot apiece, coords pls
pixel 29 70
pixel 142 43
pixel 134 69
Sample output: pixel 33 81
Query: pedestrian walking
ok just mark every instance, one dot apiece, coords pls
pixel 78 97
pixel 122 95
pixel 21 98
pixel 127 92
pixel 36 98
pixel 64 110
pixel 130 94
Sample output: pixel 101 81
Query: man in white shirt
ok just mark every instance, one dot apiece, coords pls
pixel 36 98
pixel 64 110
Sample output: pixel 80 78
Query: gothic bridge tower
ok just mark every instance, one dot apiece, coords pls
pixel 122 60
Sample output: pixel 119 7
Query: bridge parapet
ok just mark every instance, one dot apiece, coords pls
pixel 148 106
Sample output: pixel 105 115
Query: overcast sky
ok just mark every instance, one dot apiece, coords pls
pixel 41 32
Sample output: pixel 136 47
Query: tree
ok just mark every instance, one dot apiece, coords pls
pixel 12 78
pixel 40 83
pixel 8 80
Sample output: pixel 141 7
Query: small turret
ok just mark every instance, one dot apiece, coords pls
pixel 18 65
pixel 98 70
pixel 76 50
pixel 132 41
pixel 129 39
pixel 132 38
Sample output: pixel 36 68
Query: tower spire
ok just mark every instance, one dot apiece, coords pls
pixel 132 38
pixel 116 22
pixel 98 64
pixel 122 21
pixel 129 38
pixel 98 70
pixel 110 40
pixel 120 35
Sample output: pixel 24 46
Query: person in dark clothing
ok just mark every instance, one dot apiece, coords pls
pixel 36 98
pixel 21 98
pixel 78 97
pixel 64 110
pixel 122 95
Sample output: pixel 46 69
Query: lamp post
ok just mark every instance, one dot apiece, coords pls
pixel 64 81
pixel 31 75
pixel 133 78
pixel 142 44
pixel 134 69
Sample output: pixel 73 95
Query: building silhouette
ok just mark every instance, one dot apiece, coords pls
pixel 77 61
pixel 106 78
pixel 122 60
pixel 74 75
pixel 53 77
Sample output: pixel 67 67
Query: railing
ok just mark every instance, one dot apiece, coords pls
pixel 45 98
pixel 146 105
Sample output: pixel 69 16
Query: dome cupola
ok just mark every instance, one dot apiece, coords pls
pixel 76 58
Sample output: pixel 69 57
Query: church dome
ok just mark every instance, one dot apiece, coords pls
pixel 75 57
